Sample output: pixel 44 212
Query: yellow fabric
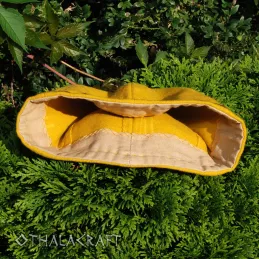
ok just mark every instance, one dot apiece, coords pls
pixel 77 112
pixel 163 124
pixel 205 125
pixel 60 114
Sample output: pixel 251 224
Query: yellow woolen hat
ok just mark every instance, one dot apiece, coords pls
pixel 136 126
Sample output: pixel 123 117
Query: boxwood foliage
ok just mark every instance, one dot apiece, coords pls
pixel 157 213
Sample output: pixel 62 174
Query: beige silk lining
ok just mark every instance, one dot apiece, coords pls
pixel 137 149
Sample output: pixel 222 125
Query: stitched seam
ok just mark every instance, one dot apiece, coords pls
pixel 169 157
pixel 70 133
pixel 198 140
pixel 130 134
pixel 127 154
pixel 215 135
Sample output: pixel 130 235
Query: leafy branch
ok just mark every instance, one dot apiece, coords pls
pixel 190 51
pixel 54 71
pixel 64 77
pixel 142 53
pixel 82 72
pixel 20 31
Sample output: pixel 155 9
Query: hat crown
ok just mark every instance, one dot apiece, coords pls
pixel 134 100
pixel 131 91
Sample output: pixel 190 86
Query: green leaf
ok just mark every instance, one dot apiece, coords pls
pixel 221 26
pixel 51 17
pixel 2 36
pixel 189 44
pixel 256 2
pixel 233 24
pixel 80 81
pixel 87 11
pixel 71 30
pixel 255 50
pixel 120 5
pixel 45 38
pixel 160 55
pixel 182 50
pixel 239 37
pixel 32 22
pixel 139 4
pixel 17 52
pixel 56 53
pixel 69 49
pixel 142 53
pixel 32 39
pixel 234 9
pixel 201 52
pixel 229 34
pixel 58 48
pixel 226 12
pixel 13 25
pixel 19 1
pixel 2 40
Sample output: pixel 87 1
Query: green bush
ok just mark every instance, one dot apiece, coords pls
pixel 162 23
pixel 156 213
pixel 112 30
pixel 229 27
